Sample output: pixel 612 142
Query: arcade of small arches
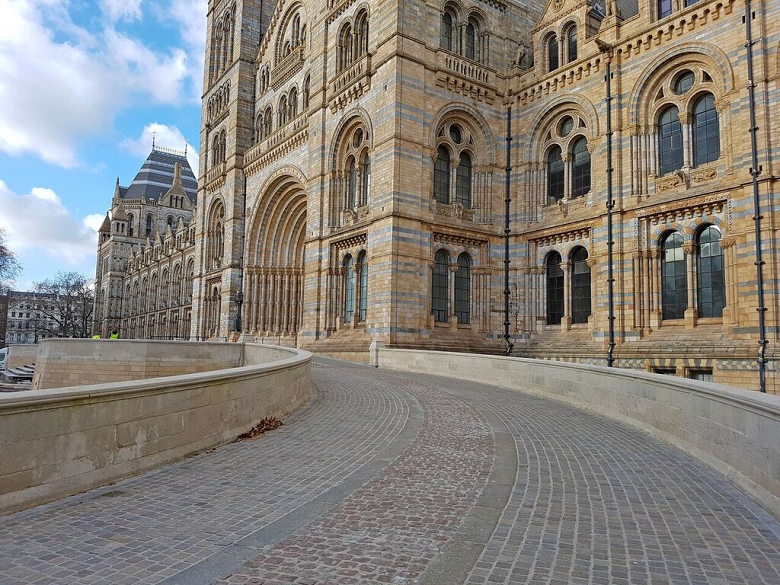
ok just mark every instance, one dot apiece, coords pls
pixel 464 32
pixel 222 42
pixel 352 40
pixel 158 305
pixel 351 174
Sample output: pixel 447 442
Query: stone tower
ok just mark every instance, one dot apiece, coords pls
pixel 234 30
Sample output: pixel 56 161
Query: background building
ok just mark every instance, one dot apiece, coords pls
pixel 30 317
pixel 351 182
pixel 145 262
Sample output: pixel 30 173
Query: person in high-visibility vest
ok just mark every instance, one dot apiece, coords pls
pixel 96 337
pixel 114 335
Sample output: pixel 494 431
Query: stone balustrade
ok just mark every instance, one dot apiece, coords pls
pixel 464 68
pixel 287 67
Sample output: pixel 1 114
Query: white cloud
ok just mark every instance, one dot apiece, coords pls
pixel 61 83
pixel 39 222
pixel 121 9
pixel 190 17
pixel 165 136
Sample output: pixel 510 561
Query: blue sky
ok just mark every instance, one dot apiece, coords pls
pixel 83 86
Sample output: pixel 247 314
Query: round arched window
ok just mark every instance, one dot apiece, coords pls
pixel 684 82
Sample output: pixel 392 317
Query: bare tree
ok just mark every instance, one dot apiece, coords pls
pixel 9 267
pixel 68 310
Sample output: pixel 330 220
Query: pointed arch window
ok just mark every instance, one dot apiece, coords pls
pixel 674 284
pixel 710 273
pixel 571 43
pixel 365 186
pixel 441 176
pixel 670 142
pixel 349 288
pixel 148 225
pixel 363 292
pixel 351 183
pixel 440 289
pixel 580 286
pixel 706 131
pixel 463 289
pixel 580 170
pixel 554 289
pixel 552 53
pixel 463 181
pixel 131 225
pixel 555 175
pixel 446 31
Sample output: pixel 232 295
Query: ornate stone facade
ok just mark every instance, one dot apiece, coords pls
pixel 351 178
pixel 146 253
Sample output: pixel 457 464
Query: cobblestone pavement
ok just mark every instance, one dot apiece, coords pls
pixel 394 478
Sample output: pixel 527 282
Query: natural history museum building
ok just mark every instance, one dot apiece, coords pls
pixel 353 169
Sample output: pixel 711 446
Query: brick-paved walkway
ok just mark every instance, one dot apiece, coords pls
pixel 389 478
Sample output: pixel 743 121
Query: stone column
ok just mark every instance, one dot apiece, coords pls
pixel 593 263
pixel 686 136
pixel 451 297
pixel 654 270
pixel 730 312
pixel 691 313
pixel 453 179
pixel 566 319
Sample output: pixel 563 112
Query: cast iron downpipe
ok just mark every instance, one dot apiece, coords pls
pixel 507 201
pixel 755 171
pixel 610 206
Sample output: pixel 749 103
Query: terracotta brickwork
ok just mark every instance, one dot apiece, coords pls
pixel 352 171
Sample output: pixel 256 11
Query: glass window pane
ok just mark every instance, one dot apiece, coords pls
pixel 441 176
pixel 463 181
pixel 706 131
pixel 349 288
pixel 669 141
pixel 463 289
pixel 580 287
pixel 580 176
pixel 554 289
pixel 711 274
pixel 572 42
pixel 555 185
pixel 440 294
pixel 552 53
pixel 675 289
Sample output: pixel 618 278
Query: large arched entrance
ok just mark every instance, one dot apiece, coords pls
pixel 274 280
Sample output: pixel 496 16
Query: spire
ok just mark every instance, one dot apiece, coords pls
pixel 106 225
pixel 177 174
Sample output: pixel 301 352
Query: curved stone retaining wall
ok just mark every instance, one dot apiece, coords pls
pixel 63 441
pixel 737 432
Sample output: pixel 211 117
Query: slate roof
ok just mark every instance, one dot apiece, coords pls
pixel 156 177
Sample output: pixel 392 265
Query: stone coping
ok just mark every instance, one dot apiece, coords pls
pixel 734 431
pixel 61 441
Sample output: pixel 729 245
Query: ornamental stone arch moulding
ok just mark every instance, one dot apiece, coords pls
pixel 288 170
pixel 709 57
pixel 296 8
pixel 349 121
pixel 473 120
pixel 552 111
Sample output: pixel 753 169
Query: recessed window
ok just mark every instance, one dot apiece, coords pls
pixel 684 82
pixel 665 371
pixel 566 126
pixel 703 375
pixel 358 138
